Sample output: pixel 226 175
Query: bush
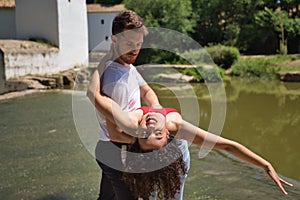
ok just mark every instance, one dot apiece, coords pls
pixel 223 56
pixel 196 57
pixel 255 68
pixel 204 74
pixel 157 56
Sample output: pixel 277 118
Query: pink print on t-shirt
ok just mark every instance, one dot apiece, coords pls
pixel 131 104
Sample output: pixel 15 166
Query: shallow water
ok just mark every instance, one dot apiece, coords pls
pixel 265 117
pixel 42 156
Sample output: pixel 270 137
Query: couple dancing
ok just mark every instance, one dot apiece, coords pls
pixel 143 151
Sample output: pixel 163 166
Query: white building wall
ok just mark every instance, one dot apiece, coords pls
pixel 7 23
pixel 37 19
pixel 73 33
pixel 61 22
pixel 100 25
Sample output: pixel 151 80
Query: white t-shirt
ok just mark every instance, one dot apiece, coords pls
pixel 122 84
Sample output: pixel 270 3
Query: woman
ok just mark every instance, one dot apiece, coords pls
pixel 157 157
pixel 160 170
pixel 153 128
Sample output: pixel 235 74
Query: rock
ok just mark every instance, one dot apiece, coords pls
pixel 176 77
pixel 67 78
pixel 34 84
pixel 83 76
pixel 24 84
pixel 48 82
pixel 290 76
pixel 64 79
pixel 15 85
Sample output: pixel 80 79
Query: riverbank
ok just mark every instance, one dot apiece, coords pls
pixel 11 95
pixel 30 84
pixel 288 70
pixel 285 68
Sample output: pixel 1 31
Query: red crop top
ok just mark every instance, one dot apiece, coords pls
pixel 163 111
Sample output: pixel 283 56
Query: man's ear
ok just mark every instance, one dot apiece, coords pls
pixel 113 38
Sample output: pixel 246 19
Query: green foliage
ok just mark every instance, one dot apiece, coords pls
pixel 255 68
pixel 235 23
pixel 253 26
pixel 219 21
pixel 157 56
pixel 171 14
pixel 231 34
pixel 198 56
pixel 275 21
pixel 204 74
pixel 223 56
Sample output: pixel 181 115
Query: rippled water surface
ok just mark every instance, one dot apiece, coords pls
pixel 42 156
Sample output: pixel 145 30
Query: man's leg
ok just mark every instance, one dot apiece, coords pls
pixel 115 185
pixel 106 189
pixel 111 155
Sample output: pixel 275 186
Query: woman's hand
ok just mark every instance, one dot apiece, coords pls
pixel 278 181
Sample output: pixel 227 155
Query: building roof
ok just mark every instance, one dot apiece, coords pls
pixel 102 8
pixel 7 3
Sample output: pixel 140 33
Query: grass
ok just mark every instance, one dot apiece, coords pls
pixel 258 67
pixel 265 67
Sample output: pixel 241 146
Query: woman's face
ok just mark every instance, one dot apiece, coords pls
pixel 156 135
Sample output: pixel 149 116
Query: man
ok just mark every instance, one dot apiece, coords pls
pixel 121 82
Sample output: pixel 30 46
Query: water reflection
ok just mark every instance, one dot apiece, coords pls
pixel 262 115
pixel 265 116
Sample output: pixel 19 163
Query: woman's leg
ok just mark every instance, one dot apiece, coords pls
pixel 184 147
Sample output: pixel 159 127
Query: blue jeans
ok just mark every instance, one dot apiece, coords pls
pixel 183 145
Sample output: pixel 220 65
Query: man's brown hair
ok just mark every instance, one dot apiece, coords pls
pixel 128 20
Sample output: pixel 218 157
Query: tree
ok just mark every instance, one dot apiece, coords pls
pixel 234 23
pixel 220 21
pixel 175 15
pixel 280 24
pixel 244 24
pixel 171 14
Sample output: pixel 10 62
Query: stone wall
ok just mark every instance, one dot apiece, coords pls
pixel 19 58
pixel 2 75
pixel 20 64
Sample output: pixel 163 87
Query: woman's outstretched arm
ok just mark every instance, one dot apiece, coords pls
pixel 247 155
pixel 203 138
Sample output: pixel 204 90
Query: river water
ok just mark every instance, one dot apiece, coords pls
pixel 265 117
pixel 44 156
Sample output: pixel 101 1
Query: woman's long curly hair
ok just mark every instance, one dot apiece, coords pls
pixel 166 180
